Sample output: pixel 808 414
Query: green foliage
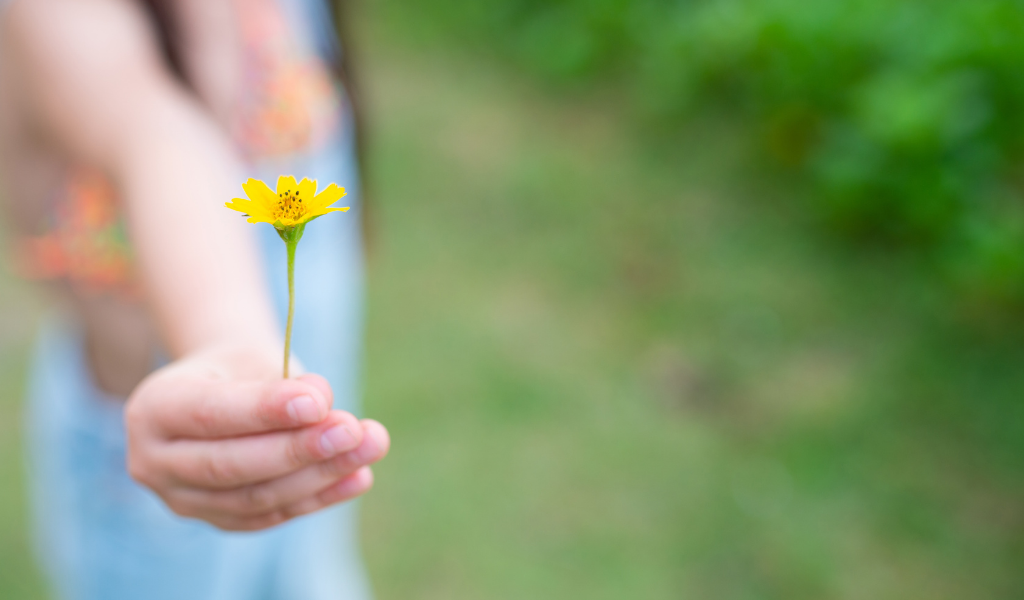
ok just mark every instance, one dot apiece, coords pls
pixel 608 377
pixel 902 117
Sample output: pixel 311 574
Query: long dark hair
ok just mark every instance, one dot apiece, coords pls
pixel 345 71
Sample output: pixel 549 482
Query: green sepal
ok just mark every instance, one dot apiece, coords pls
pixel 291 235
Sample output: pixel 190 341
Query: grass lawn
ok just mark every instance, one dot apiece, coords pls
pixel 19 309
pixel 614 372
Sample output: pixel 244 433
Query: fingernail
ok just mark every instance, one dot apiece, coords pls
pixel 337 439
pixel 304 409
pixel 380 438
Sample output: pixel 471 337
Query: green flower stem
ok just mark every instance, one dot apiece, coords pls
pixel 291 237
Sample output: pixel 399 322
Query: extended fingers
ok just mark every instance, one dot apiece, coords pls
pixel 230 463
pixel 354 485
pixel 300 488
pixel 216 409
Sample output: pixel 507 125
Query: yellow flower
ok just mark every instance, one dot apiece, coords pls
pixel 293 204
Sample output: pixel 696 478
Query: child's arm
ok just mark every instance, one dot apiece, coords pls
pixel 217 434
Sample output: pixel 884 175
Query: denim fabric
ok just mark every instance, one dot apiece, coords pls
pixel 101 536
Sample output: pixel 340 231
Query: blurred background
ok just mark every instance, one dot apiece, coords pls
pixel 681 299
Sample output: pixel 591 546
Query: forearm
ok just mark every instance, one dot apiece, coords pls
pixel 197 260
pixel 98 89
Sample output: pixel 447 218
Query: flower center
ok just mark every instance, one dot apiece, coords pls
pixel 290 206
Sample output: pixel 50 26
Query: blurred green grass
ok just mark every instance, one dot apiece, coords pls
pixel 611 376
pixel 19 309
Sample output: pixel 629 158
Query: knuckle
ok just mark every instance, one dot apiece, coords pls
pixel 294 453
pixel 264 521
pixel 216 469
pixel 266 411
pixel 141 470
pixel 301 508
pixel 182 509
pixel 274 518
pixel 355 460
pixel 204 417
pixel 331 469
pixel 258 498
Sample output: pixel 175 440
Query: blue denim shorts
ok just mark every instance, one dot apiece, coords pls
pixel 101 536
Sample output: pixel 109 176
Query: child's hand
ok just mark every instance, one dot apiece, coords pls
pixel 222 438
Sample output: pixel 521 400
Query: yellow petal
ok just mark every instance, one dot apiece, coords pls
pixel 323 211
pixel 286 183
pixel 248 207
pixel 260 193
pixel 307 191
pixel 330 195
pixel 238 204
